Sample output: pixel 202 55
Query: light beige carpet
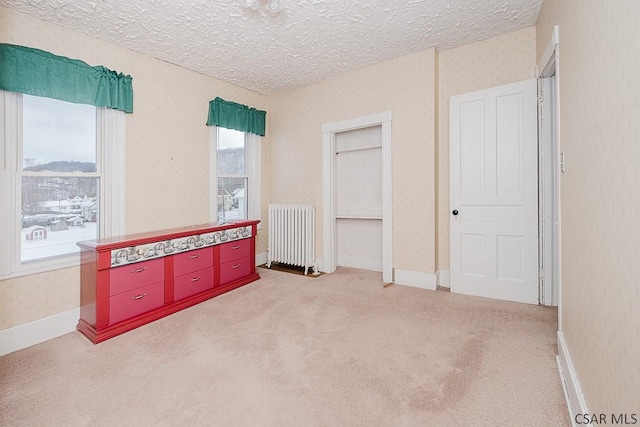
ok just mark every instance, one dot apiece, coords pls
pixel 339 350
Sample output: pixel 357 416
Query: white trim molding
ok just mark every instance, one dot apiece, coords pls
pixel 9 110
pixel 41 330
pixel 213 174
pixel 329 131
pixel 443 279
pixel 253 144
pixel 417 279
pixel 569 379
pixel 550 202
pixel 548 59
pixel 261 258
pixel 112 128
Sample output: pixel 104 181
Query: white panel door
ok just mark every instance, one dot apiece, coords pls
pixel 493 193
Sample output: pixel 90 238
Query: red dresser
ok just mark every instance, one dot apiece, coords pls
pixel 130 281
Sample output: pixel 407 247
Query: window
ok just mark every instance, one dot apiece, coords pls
pixel 56 175
pixel 234 176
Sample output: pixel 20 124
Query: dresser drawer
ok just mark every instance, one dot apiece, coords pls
pixel 193 283
pixel 230 271
pixel 134 276
pixel 132 303
pixel 235 250
pixel 187 262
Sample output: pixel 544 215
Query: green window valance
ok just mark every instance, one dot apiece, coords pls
pixel 231 115
pixel 40 73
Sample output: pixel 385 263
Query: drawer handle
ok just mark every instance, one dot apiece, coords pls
pixel 139 270
pixel 194 256
pixel 235 247
pixel 195 279
pixel 236 266
pixel 139 296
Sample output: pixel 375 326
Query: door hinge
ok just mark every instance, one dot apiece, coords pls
pixel 540 91
pixel 541 286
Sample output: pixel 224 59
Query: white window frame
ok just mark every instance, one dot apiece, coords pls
pixel 110 172
pixel 253 153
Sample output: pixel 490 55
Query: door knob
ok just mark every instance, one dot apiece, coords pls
pixel 454 212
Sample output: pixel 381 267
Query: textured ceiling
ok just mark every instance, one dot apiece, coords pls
pixel 307 41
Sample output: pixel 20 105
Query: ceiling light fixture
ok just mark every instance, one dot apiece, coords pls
pixel 263 6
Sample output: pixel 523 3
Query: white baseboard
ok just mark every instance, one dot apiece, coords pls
pixel 570 384
pixel 360 262
pixel 319 264
pixel 414 278
pixel 443 279
pixel 261 258
pixel 32 333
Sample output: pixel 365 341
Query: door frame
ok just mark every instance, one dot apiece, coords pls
pixel 329 131
pixel 551 169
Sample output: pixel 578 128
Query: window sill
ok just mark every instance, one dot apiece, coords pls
pixel 59 263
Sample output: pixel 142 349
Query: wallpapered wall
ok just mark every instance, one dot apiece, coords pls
pixel 599 64
pixel 166 154
pixel 599 92
pixel 407 90
pixel 405 86
pixel 167 142
pixel 498 61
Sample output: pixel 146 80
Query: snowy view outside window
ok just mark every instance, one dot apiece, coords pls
pixel 232 175
pixel 59 178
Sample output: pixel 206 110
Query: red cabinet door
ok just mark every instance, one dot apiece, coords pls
pixel 187 262
pixel 235 250
pixel 132 276
pixel 192 283
pixel 137 301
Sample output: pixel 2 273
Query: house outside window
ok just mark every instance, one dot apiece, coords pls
pixel 234 174
pixel 56 173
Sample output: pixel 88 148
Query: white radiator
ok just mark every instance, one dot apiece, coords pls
pixel 292 235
